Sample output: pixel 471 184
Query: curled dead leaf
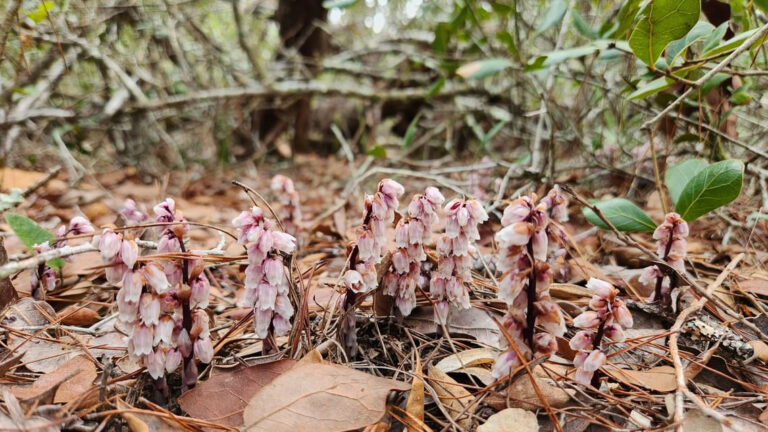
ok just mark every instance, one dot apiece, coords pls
pixel 457 400
pixel 463 359
pixel 521 393
pixel 67 383
pixel 414 406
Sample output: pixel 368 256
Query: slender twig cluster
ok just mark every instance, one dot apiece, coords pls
pixel 448 285
pixel 523 245
pixel 290 215
pixel 360 277
pixel 411 234
pixel 670 239
pixel 43 279
pixel 607 318
pixel 266 276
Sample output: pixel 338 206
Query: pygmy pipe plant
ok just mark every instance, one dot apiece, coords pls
pixel 266 276
pixel 411 234
pixel 43 279
pixel 607 317
pixel 523 251
pixel 360 277
pixel 671 248
pixel 286 193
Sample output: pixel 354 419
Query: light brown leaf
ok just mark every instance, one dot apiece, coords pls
pixel 231 390
pixel 78 316
pixel 457 400
pixel 326 396
pixel 659 378
pixel 12 178
pixel 521 393
pixel 569 291
pixel 473 322
pixel 463 359
pixel 69 382
pixel 511 419
pixel 414 406
pixel 141 422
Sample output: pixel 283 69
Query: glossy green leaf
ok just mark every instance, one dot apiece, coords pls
pixel 617 28
pixel 483 68
pixel 31 234
pixel 710 188
pixel 700 31
pixel 625 215
pixel 651 88
pixel 714 82
pixel 411 131
pixel 582 26
pixel 715 38
pixel 730 44
pixel 677 176
pixel 552 16
pixel 661 22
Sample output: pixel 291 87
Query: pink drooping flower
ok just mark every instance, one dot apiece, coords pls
pixel 671 248
pixel 266 276
pixel 448 285
pixel 524 248
pixel 607 318
pixel 286 193
pixel 132 213
pixel 411 233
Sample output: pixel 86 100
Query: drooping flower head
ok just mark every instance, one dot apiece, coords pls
pixel 411 233
pixel 286 193
pixel 607 317
pixel 671 243
pixel 448 283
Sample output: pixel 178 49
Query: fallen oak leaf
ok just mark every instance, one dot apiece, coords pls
pixel 328 397
pixel 231 390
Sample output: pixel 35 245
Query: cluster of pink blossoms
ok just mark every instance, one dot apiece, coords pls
pixel 523 246
pixel 378 214
pixel 43 279
pixel 670 237
pixel 132 213
pixel 608 318
pixel 448 283
pixel 411 234
pixel 155 297
pixel 283 187
pixel 266 280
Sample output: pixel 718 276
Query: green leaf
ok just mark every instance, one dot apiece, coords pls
pixel 492 133
pixel 679 175
pixel 552 16
pixel 29 232
pixel 715 37
pixel 730 44
pixel 483 68
pixel 508 40
pixel 442 35
pixel 712 187
pixel 714 82
pixel 582 26
pixel 377 151
pixel 651 88
pixel 341 4
pixel 701 30
pixel 661 22
pixel 625 215
pixel 411 131
pixel 617 28
pixel 557 57
pixel 762 4
pixel 42 11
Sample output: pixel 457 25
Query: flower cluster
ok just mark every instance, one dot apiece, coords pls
pixel 43 279
pixel 155 297
pixel 448 283
pixel 266 281
pixel 670 237
pixel 411 234
pixel 378 214
pixel 289 198
pixel 132 213
pixel 523 245
pixel 607 318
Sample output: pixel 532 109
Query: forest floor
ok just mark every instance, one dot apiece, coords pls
pixel 64 363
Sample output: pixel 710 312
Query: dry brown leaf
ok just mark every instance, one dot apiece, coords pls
pixel 414 406
pixel 755 286
pixel 511 419
pixel 456 399
pixel 17 420
pixel 12 178
pixel 464 359
pixel 69 382
pixel 659 378
pixel 484 375
pixel 521 393
pixel 78 316
pixel 473 322
pixel 231 390
pixel 568 291
pixel 761 349
pixel 327 396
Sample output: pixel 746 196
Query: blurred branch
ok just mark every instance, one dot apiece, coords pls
pixel 10 14
pixel 257 67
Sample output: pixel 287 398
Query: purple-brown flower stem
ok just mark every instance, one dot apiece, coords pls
pixel 530 316
pixel 660 278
